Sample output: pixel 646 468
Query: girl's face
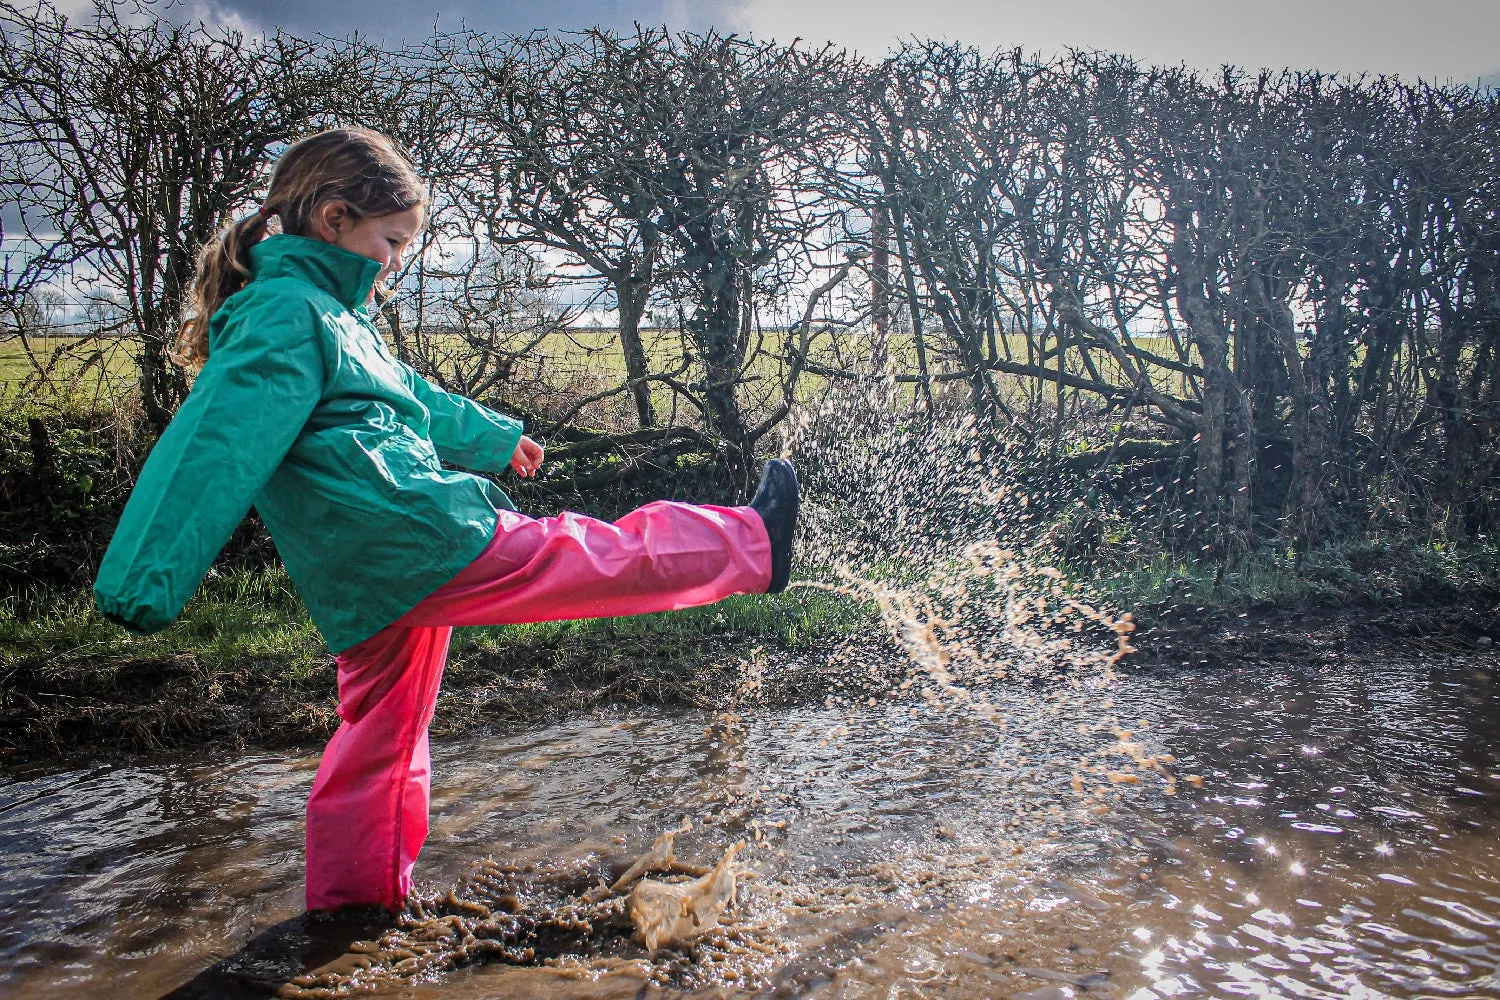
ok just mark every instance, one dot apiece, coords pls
pixel 382 238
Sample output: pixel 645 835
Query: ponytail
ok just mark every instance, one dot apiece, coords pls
pixel 223 269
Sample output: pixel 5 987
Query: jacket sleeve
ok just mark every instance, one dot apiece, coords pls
pixel 264 375
pixel 466 433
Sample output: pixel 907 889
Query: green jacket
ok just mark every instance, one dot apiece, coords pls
pixel 301 411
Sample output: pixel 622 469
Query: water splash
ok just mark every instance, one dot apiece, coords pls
pixel 929 526
pixel 936 526
pixel 567 918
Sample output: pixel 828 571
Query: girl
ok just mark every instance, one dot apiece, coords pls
pixel 300 410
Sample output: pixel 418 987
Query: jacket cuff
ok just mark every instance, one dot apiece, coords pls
pixel 137 623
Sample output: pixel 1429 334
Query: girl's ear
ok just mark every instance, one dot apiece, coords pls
pixel 330 220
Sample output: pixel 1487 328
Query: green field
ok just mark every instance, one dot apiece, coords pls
pixel 66 373
pixel 557 370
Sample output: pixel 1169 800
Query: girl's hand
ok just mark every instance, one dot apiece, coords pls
pixel 527 458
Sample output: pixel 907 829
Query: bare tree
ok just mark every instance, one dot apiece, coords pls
pixel 1282 286
pixel 742 128
pixel 569 155
pixel 671 165
pixel 126 145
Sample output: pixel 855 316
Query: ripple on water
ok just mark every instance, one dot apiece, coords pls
pixel 881 857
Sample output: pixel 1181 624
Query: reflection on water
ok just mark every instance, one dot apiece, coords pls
pixel 1343 845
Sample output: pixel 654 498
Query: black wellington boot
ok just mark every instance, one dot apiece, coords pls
pixel 776 502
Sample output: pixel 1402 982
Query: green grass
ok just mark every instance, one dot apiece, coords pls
pixel 244 662
pixel 1350 572
pixel 69 368
pixel 240 618
pixel 256 615
pixel 797 617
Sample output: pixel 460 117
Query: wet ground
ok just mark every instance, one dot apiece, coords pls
pixel 1344 842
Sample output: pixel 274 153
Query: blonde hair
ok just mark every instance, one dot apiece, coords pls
pixel 360 167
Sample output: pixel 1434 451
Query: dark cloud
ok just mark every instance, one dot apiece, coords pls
pixel 394 21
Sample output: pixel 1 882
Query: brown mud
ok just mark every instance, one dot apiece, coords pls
pixel 519 914
pixel 89 707
pixel 1184 636
pixel 84 707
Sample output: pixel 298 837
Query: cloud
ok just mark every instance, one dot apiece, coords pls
pixel 396 21
pixel 67 8
pixel 212 15
pixel 1434 39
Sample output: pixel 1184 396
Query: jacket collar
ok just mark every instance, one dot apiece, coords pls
pixel 346 276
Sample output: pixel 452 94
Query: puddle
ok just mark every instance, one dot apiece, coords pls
pixel 1343 843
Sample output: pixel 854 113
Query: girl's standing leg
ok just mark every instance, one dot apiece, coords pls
pixel 367 815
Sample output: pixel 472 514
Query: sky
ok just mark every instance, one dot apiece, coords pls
pixel 1437 40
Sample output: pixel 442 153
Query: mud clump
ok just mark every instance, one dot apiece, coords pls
pixel 669 913
pixel 564 918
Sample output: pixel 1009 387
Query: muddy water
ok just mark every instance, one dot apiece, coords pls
pixel 1345 842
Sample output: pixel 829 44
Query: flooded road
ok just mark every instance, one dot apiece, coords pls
pixel 1344 842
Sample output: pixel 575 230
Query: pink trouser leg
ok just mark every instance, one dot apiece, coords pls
pixel 659 557
pixel 367 816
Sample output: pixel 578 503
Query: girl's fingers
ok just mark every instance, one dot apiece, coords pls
pixel 528 457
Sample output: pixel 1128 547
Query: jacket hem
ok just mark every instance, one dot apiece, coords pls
pixel 340 644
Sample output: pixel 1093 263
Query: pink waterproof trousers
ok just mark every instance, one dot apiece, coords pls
pixel 367 816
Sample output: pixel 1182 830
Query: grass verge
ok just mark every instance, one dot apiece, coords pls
pixel 244 664
pixel 1370 572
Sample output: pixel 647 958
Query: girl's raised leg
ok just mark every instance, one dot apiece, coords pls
pixel 367 817
pixel 660 557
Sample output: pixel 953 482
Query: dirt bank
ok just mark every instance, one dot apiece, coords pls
pixel 1180 636
pixel 80 705
pixel 71 706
